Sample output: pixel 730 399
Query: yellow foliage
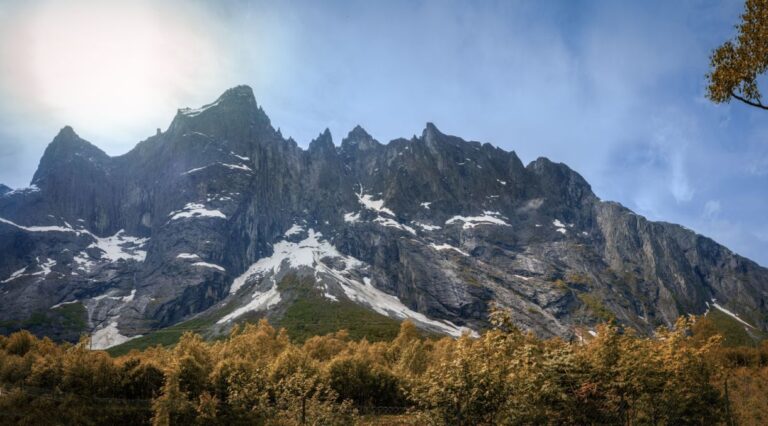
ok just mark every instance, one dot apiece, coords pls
pixel 504 376
pixel 737 64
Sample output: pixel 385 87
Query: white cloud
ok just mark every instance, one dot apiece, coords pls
pixel 711 209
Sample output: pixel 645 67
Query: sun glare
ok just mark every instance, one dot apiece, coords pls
pixel 92 63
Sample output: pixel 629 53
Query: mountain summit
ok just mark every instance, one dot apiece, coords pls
pixel 222 220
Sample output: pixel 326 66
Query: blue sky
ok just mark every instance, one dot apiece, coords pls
pixel 614 89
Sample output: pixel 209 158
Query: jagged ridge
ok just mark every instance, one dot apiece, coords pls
pixel 433 228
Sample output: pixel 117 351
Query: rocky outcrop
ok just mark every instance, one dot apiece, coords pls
pixel 210 216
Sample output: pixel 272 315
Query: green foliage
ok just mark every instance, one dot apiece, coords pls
pixel 733 332
pixel 312 314
pixel 318 316
pixel 168 336
pixel 68 317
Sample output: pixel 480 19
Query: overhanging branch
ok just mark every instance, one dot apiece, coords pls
pixel 756 104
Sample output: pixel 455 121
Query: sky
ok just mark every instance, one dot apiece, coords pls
pixel 614 89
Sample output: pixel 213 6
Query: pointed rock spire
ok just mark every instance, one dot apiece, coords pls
pixel 358 138
pixel 67 142
pixel 430 135
pixel 324 142
pixel 67 147
pixel 430 131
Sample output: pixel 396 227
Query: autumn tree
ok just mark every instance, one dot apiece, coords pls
pixel 737 64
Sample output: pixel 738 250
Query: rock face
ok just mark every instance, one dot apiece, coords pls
pixel 209 216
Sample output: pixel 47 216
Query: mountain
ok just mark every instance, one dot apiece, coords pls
pixel 220 219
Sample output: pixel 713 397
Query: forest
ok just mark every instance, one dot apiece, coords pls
pixel 258 375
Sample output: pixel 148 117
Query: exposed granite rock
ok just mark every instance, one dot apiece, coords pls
pixel 434 228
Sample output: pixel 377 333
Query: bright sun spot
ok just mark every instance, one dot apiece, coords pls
pixel 103 65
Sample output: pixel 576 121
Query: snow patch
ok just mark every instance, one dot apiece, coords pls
pixel 190 112
pixel 304 253
pixel 58 305
pixel 391 306
pixel 189 256
pixel 209 265
pixel 196 169
pixel 14 275
pixel 351 217
pixel 46 267
pixel 237 167
pixel 42 228
pixel 501 181
pixel 729 313
pixel 427 227
pixel 195 210
pixel 121 247
pixel 227 165
pixel 309 253
pixel 130 297
pixel 261 301
pixel 108 337
pixel 293 230
pixel 369 203
pixel 441 247
pixel 385 221
pixel 488 218
pixel 124 299
pixel 425 205
pixel 29 189
pixel 83 261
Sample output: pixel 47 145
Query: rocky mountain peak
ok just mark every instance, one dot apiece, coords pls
pixel 430 136
pixel 358 138
pixel 241 92
pixel 232 113
pixel 4 189
pixel 323 142
pixel 66 132
pixel 358 133
pixel 215 215
pixel 558 178
pixel 67 137
pixel 66 148
pixel 430 130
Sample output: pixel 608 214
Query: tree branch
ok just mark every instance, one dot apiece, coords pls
pixel 748 102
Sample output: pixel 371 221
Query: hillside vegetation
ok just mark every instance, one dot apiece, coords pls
pixel 259 375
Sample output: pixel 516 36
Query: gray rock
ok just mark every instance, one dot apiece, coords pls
pixel 434 228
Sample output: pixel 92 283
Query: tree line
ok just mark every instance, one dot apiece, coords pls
pixel 258 376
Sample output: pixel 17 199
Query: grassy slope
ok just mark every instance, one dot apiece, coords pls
pixel 733 332
pixel 69 317
pixel 309 314
pixel 314 316
pixel 165 337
